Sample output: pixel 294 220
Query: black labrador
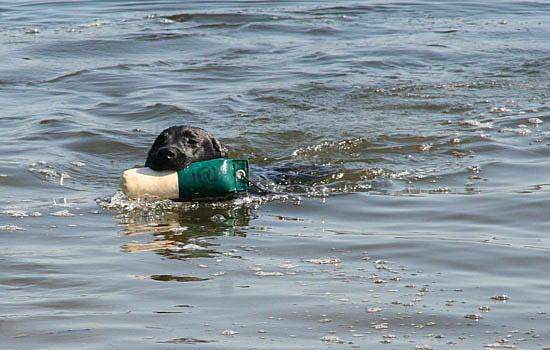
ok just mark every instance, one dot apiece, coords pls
pixel 179 146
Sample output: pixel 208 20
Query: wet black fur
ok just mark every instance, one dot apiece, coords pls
pixel 179 146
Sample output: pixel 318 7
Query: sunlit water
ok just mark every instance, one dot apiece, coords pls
pixel 406 145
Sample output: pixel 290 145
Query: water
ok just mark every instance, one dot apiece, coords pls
pixel 407 142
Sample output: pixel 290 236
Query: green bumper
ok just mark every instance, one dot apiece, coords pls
pixel 213 179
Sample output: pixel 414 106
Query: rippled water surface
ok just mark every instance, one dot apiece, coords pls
pixel 406 143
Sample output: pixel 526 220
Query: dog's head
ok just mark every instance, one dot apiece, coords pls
pixel 179 146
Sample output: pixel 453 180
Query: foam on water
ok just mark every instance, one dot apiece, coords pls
pixel 11 228
pixel 120 203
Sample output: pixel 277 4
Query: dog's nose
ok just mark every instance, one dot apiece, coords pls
pixel 167 153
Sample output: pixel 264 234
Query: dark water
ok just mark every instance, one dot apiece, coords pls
pixel 408 142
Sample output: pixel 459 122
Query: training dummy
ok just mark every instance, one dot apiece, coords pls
pixel 207 180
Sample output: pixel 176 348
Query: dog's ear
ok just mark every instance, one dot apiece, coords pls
pixel 222 151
